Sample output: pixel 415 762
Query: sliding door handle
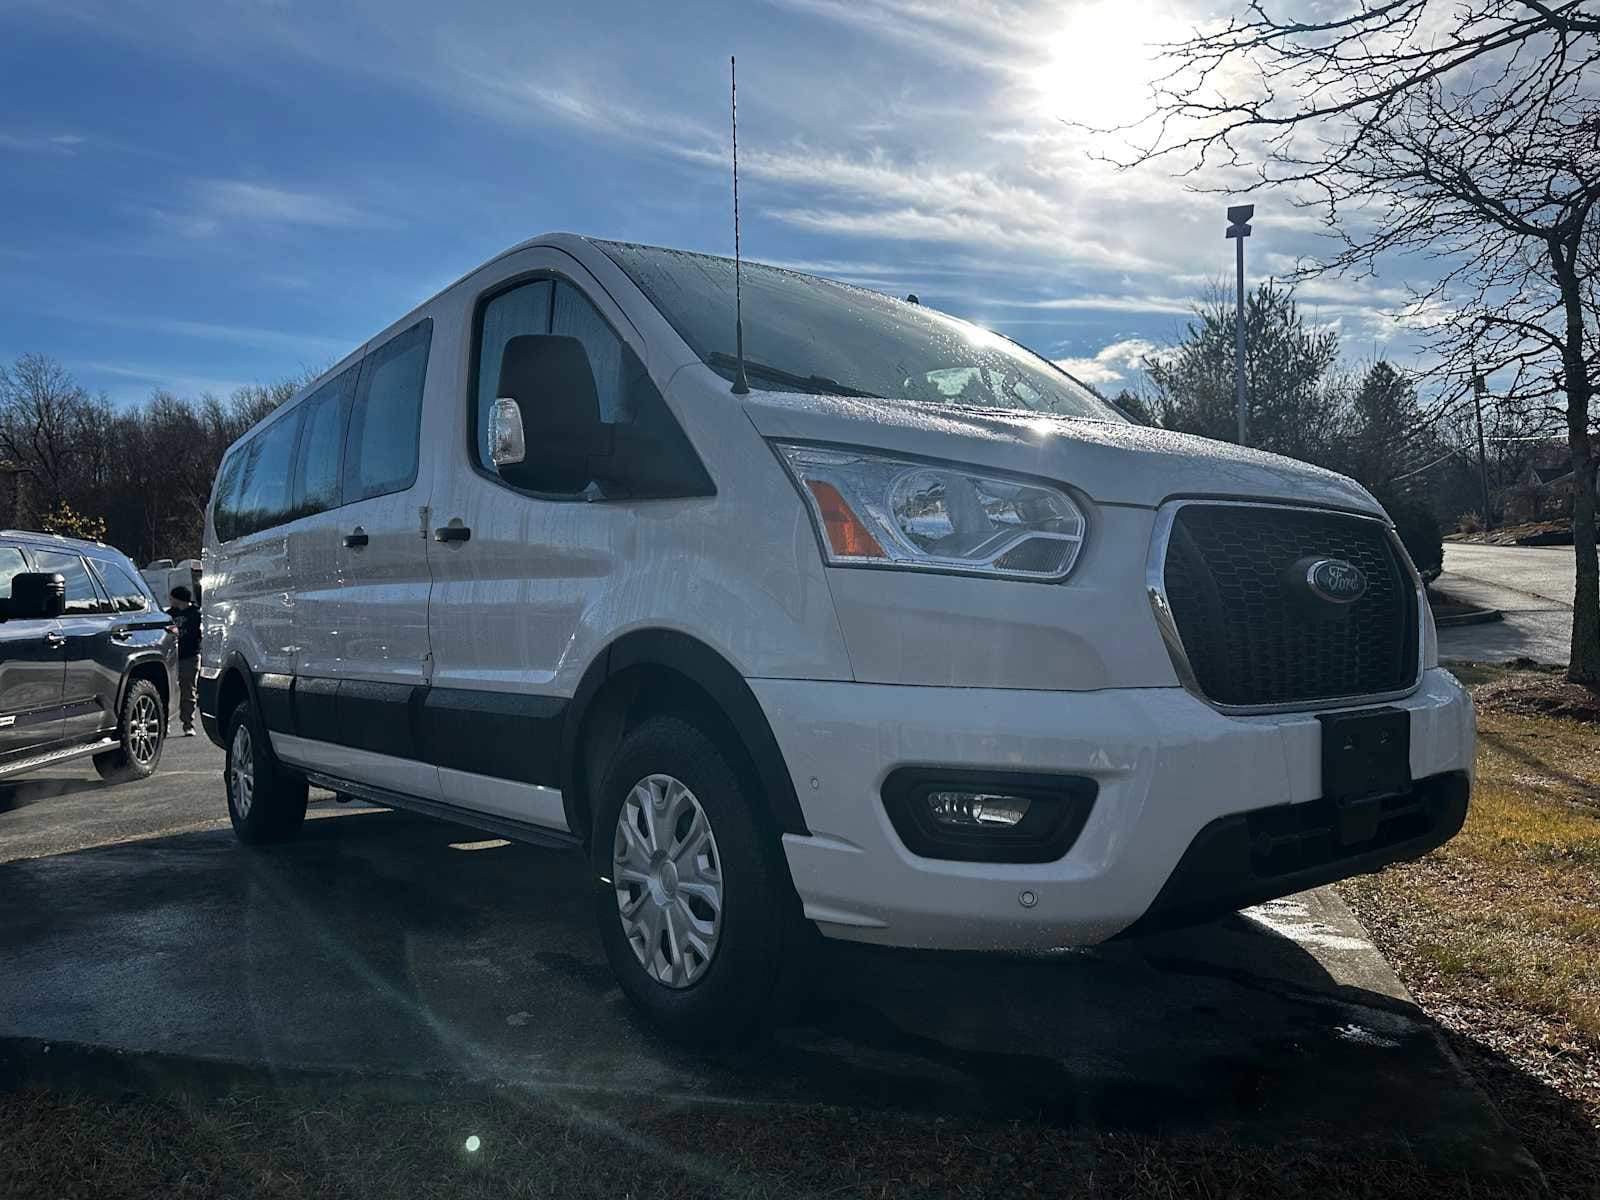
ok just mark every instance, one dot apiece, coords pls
pixel 356 537
pixel 452 533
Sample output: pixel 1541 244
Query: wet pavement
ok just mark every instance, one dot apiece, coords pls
pixel 1532 588
pixel 383 944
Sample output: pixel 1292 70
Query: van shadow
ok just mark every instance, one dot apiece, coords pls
pixel 385 942
pixel 19 795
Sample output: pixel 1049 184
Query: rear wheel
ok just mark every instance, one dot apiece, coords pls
pixel 690 893
pixel 265 802
pixel 142 731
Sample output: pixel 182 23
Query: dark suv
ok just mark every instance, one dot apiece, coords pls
pixel 88 659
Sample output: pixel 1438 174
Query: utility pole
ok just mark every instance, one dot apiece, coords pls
pixel 1478 389
pixel 1238 229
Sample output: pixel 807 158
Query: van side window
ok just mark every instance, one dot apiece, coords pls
pixel 263 496
pixel 225 508
pixel 649 455
pixel 574 316
pixel 525 309
pixel 546 307
pixel 82 595
pixel 380 448
pixel 321 455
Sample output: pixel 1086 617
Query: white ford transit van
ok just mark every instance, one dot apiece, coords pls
pixel 913 638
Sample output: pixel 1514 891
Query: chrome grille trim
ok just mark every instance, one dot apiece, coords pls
pixel 1166 622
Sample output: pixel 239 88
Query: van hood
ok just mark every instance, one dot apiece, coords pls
pixel 1110 462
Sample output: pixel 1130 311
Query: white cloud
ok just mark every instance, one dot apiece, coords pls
pixel 1140 303
pixel 233 199
pixel 24 143
pixel 1111 364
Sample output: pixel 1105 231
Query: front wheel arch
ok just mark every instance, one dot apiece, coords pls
pixel 660 670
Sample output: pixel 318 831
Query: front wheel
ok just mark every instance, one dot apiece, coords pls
pixel 265 802
pixel 142 731
pixel 690 892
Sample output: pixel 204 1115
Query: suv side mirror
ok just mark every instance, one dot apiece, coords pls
pixel 35 596
pixel 549 378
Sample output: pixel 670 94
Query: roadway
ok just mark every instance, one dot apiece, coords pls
pixel 1531 585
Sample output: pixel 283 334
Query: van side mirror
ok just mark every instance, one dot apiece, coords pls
pixel 508 445
pixel 35 596
pixel 549 378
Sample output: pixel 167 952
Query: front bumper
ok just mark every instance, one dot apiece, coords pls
pixel 1167 765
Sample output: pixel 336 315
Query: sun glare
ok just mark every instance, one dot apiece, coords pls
pixel 1100 64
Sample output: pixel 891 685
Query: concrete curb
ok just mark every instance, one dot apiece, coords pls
pixel 1482 617
pixel 1379 976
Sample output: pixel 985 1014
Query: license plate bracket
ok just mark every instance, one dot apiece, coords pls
pixel 1365 754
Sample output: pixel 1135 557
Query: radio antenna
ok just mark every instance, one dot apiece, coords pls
pixel 741 385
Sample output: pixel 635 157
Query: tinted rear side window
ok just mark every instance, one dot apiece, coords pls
pixel 264 476
pixel 322 445
pixel 128 593
pixel 225 508
pixel 380 449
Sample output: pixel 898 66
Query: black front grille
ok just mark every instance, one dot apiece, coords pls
pixel 1255 635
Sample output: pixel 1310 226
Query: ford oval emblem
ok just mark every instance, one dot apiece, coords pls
pixel 1336 581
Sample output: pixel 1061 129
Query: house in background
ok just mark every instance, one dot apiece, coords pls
pixel 1545 492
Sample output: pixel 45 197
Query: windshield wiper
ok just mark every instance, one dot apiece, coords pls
pixel 800 383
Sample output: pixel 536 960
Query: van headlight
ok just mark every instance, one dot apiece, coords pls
pixel 875 511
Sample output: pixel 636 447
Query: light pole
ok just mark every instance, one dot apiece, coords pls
pixel 1238 229
pixel 1479 388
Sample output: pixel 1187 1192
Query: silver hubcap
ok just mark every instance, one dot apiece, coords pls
pixel 243 769
pixel 144 730
pixel 668 876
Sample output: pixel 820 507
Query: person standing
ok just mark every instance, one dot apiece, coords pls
pixel 185 613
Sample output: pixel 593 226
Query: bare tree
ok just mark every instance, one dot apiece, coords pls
pixel 141 474
pixel 40 409
pixel 1460 135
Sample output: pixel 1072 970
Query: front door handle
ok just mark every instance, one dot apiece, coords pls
pixel 452 533
pixel 356 537
pixel 54 640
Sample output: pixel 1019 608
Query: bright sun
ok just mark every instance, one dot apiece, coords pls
pixel 1099 65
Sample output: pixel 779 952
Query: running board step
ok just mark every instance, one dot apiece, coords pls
pixel 506 827
pixel 50 758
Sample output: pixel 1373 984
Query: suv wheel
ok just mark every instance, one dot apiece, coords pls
pixel 689 890
pixel 265 802
pixel 142 730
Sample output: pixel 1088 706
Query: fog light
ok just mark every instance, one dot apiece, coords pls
pixel 976 810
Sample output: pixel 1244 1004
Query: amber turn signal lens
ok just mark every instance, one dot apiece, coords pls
pixel 847 536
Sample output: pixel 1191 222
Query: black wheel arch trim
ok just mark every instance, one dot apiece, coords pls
pixel 712 674
pixel 255 684
pixel 133 664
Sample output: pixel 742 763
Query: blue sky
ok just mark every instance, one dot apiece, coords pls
pixel 202 195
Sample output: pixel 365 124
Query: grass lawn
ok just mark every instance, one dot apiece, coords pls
pixel 1497 933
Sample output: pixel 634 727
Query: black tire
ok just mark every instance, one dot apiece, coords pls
pixel 142 729
pixel 273 806
pixel 732 989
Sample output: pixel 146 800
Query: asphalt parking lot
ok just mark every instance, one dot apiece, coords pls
pixel 386 946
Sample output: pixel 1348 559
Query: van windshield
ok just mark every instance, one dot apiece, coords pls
pixel 805 334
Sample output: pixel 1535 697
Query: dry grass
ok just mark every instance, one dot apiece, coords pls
pixel 1498 932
